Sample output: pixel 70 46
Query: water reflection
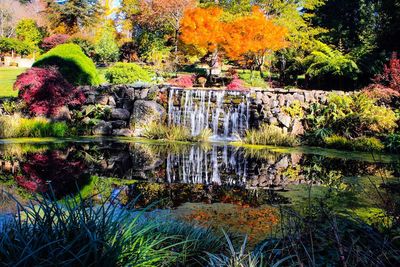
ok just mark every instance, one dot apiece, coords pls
pixel 212 173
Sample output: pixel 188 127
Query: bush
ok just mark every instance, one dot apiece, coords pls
pixel 236 84
pixel 392 142
pixel 391 74
pixel 45 91
pixel 15 126
pixel 352 116
pixel 73 64
pixel 367 144
pixel 184 81
pixel 125 73
pixel 269 135
pixel 53 41
pixel 7 45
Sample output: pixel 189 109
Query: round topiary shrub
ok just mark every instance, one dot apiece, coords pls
pixel 123 73
pixel 73 64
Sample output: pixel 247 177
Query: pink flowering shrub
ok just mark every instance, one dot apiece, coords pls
pixel 54 40
pixel 184 81
pixel 45 91
pixel 236 84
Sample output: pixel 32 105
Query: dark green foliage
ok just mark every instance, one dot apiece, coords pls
pixel 73 64
pixel 392 142
pixel 124 73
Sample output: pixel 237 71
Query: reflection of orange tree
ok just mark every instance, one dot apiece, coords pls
pixel 257 223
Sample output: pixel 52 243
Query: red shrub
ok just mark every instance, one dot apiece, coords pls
pixel 46 90
pixel 381 93
pixel 236 84
pixel 54 40
pixel 184 81
pixel 391 74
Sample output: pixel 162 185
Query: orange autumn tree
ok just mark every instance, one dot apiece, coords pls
pixel 204 29
pixel 252 37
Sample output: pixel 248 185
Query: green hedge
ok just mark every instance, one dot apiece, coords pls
pixel 124 73
pixel 74 65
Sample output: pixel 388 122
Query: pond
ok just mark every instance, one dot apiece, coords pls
pixel 218 184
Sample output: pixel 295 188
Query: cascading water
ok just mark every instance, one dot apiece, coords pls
pixel 225 113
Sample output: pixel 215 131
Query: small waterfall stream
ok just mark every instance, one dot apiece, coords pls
pixel 225 113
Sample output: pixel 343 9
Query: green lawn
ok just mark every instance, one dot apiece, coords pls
pixel 7 79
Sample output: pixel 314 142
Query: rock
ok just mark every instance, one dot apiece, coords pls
pixel 130 93
pixel 111 101
pixel 118 124
pixel 120 114
pixel 63 114
pixel 102 100
pixel 281 99
pixel 284 119
pixel 122 132
pixel 144 93
pixel 273 121
pixel 90 99
pixel 297 128
pixel 102 128
pixel 143 113
pixel 299 97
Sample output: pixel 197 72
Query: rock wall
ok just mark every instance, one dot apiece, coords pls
pixel 123 110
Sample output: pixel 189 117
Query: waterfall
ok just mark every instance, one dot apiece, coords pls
pixel 225 113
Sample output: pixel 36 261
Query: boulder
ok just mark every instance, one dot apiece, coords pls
pixel 122 132
pixel 297 128
pixel 102 100
pixel 120 114
pixel 284 119
pixel 119 124
pixel 63 114
pixel 143 113
pixel 102 128
pixel 111 101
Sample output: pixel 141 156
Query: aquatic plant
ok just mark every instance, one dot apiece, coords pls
pixel 269 135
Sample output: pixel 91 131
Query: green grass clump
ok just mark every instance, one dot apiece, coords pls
pixel 15 126
pixel 269 135
pixel 73 64
pixel 363 143
pixel 125 73
pixel 8 75
pixel 158 131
